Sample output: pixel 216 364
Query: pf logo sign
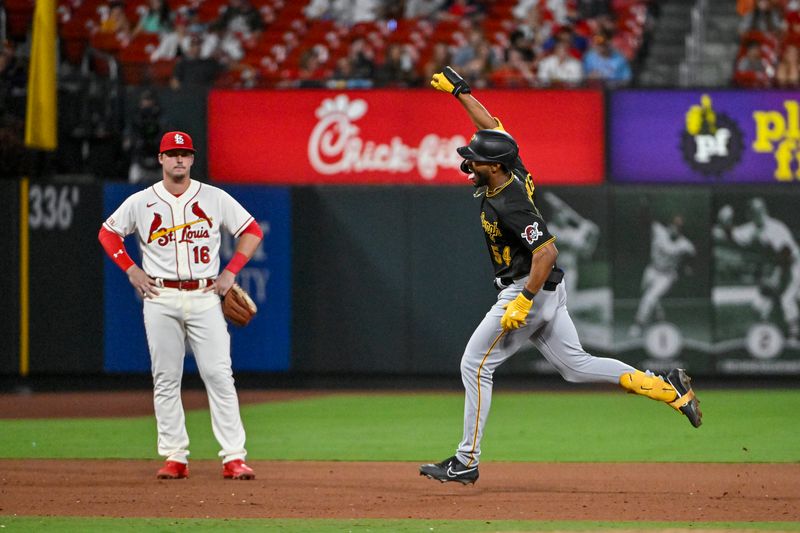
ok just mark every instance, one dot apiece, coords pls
pixel 712 142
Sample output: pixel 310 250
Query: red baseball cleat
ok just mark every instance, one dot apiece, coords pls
pixel 236 469
pixel 173 470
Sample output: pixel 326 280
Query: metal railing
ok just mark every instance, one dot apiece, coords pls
pixel 695 41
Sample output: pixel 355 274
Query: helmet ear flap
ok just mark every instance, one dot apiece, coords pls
pixel 465 167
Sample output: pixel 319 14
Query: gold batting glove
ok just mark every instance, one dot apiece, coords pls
pixel 449 81
pixel 516 312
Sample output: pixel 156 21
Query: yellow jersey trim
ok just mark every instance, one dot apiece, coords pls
pixel 498 190
pixel 548 241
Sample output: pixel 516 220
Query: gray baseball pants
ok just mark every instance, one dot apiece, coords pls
pixel 551 330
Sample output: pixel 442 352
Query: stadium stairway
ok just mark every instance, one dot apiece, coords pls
pixel 667 45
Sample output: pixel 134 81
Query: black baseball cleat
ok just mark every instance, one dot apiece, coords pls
pixel 450 469
pixel 686 402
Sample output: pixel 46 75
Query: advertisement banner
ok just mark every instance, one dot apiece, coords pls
pixel 661 271
pixel 580 220
pixel 261 346
pixel 756 282
pixel 395 137
pixel 704 136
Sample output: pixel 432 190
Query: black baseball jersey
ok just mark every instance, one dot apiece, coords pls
pixel 512 225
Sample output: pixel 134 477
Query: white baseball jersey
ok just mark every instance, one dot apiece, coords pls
pixel 773 234
pixel 179 236
pixel 666 253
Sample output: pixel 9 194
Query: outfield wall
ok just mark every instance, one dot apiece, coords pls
pixel 392 280
pixel 374 262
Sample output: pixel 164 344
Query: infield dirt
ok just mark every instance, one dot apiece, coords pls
pixel 306 489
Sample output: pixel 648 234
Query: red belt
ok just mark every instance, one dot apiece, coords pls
pixel 187 285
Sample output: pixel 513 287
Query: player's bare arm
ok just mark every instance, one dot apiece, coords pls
pixel 247 246
pixel 449 81
pixel 479 115
pixel 544 259
pixel 542 262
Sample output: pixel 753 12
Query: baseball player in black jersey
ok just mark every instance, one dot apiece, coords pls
pixel 523 253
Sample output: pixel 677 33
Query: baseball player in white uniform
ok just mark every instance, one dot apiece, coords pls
pixel 775 237
pixel 577 238
pixel 523 254
pixel 668 248
pixel 177 223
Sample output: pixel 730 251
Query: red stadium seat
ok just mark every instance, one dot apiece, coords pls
pixel 19 15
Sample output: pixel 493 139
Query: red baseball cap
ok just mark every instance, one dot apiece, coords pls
pixel 176 140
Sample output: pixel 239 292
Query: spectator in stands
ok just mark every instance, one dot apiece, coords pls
pixel 115 21
pixel 522 41
pixel 788 71
pixel 477 70
pixel 239 16
pixel 193 71
pixel 604 63
pixel 469 51
pixel 311 72
pixel 178 41
pixel 793 27
pixel 577 43
pixel 324 10
pixel 560 67
pixel 156 18
pixel 744 7
pixel 440 58
pixel 753 69
pixel 553 10
pixel 142 138
pixel 397 69
pixel 361 59
pixel 13 75
pixel 421 8
pixel 460 10
pixel 363 11
pixel 515 72
pixel 606 24
pixel 343 71
pixel 765 17
pixel 579 24
pixel 238 22
pixel 347 12
pixel 589 9
pixel 535 29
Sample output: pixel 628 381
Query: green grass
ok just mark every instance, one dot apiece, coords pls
pixel 122 525
pixel 739 426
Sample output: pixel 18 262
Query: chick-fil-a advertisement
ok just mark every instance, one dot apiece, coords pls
pixel 395 137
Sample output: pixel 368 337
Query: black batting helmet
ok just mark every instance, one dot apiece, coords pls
pixel 491 145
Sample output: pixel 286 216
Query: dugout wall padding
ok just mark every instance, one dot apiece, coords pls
pixel 9 281
pixel 389 279
pixel 66 287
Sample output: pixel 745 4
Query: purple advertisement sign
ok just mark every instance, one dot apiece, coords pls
pixel 705 136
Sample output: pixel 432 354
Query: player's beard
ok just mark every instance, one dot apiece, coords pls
pixel 481 178
pixel 178 175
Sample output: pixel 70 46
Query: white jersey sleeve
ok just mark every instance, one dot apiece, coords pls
pixel 123 220
pixel 235 218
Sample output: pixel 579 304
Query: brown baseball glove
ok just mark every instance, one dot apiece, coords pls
pixel 238 307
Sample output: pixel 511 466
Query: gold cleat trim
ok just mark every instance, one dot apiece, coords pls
pixel 683 400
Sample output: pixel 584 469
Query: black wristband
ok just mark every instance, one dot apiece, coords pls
pixel 527 294
pixel 461 88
